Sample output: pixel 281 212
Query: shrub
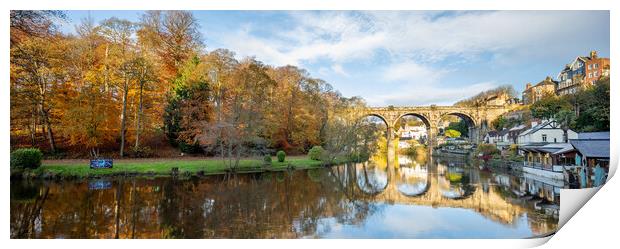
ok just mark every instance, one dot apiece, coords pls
pixel 26 158
pixel 281 155
pixel 267 159
pixel 190 148
pixel 315 153
pixel 142 151
pixel 354 157
pixel 516 158
pixel 416 150
pixel 452 133
pixel 487 149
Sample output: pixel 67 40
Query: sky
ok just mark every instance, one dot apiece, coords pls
pixel 404 58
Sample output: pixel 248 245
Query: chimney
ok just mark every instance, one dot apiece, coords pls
pixel 528 86
pixel 593 54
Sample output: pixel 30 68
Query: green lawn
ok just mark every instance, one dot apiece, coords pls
pixel 164 167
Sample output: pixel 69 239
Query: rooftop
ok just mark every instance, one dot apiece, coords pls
pixel 553 148
pixel 537 127
pixel 598 148
pixel 503 132
pixel 518 127
pixel 593 135
pixel 492 133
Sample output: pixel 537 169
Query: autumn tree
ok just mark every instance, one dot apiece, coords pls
pixel 116 82
pixel 173 35
pixel 188 105
pixel 36 75
pixel 452 133
pixel 346 132
pixel 461 126
pixel 242 125
pixel 33 23
pixel 299 115
pixel 481 98
pixel 89 112
pixel 118 34
pixel 145 79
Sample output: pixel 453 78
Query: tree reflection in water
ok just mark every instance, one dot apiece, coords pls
pixel 314 203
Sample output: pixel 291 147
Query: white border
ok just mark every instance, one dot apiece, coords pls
pixel 593 227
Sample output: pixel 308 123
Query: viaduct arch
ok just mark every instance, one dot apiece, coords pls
pixel 477 118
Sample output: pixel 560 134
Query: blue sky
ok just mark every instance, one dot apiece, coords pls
pixel 404 57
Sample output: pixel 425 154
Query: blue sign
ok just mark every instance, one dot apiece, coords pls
pixel 99 185
pixel 101 164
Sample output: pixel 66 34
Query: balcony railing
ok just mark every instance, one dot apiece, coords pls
pixel 537 165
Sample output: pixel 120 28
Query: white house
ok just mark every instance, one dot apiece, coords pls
pixel 548 131
pixel 492 137
pixel 499 138
pixel 413 132
pixel 503 138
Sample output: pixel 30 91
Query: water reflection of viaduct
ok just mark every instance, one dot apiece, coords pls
pixel 477 118
pixel 435 186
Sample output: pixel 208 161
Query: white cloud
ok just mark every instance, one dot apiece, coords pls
pixel 437 35
pixel 343 36
pixel 309 41
pixel 323 71
pixel 425 94
pixel 244 44
pixel 413 51
pixel 337 68
pixel 410 71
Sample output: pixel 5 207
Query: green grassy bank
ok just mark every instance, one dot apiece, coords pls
pixel 164 167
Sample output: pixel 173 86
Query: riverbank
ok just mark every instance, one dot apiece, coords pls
pixel 184 167
pixel 505 164
pixel 439 153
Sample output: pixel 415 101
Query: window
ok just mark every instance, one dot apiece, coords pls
pixel 595 65
pixel 590 66
pixel 595 74
pixel 590 75
pixel 544 137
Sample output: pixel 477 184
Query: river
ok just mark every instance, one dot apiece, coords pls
pixel 415 198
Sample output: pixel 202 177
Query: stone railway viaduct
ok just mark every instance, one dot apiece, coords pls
pixel 477 118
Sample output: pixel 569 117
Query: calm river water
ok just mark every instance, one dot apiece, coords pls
pixel 424 198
